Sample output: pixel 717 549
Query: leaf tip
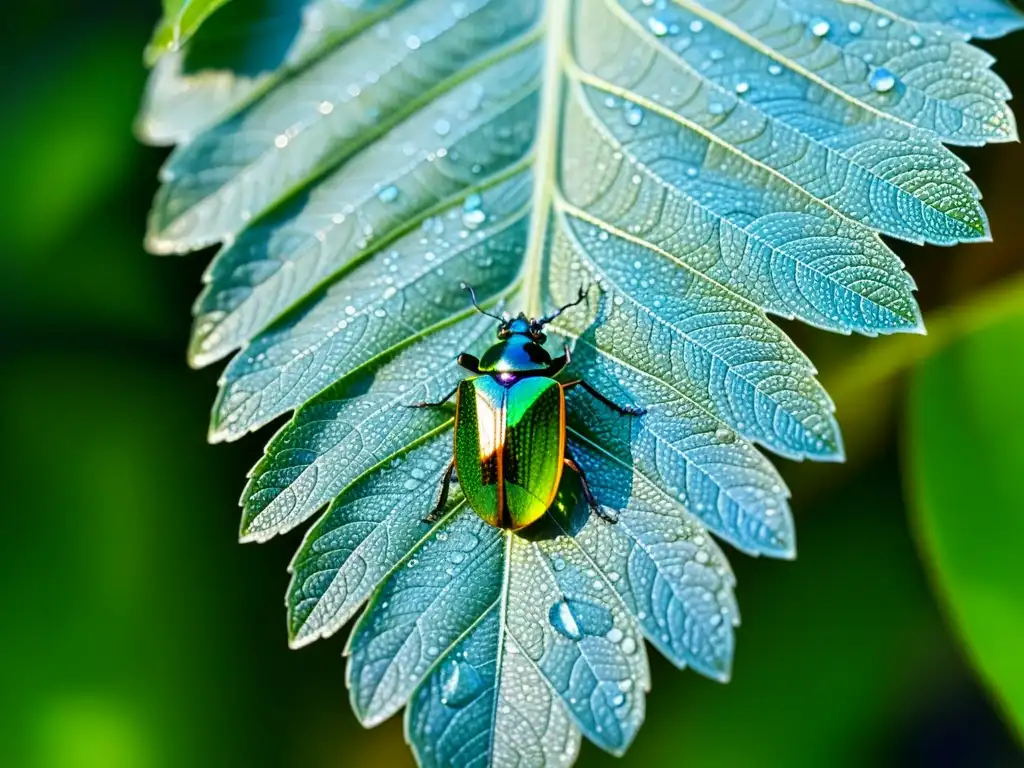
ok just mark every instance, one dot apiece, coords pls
pixel 157 244
pixel 830 446
pixel 723 675
pixel 785 547
pixel 248 535
pixel 915 323
pixel 300 639
pixel 194 358
pixel 217 433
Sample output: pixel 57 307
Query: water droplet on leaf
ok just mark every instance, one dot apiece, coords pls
pixel 820 27
pixel 460 683
pixel 576 618
pixel 882 80
pixel 658 27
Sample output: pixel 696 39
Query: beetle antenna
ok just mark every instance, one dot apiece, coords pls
pixel 476 304
pixel 579 299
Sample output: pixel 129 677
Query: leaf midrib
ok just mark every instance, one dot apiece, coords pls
pixel 547 145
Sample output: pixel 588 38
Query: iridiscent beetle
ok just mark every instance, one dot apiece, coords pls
pixel 510 448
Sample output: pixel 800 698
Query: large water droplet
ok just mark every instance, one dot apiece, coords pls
pixel 472 214
pixel 820 27
pixel 473 219
pixel 882 80
pixel 634 115
pixel 460 683
pixel 658 27
pixel 724 435
pixel 576 618
pixel 563 620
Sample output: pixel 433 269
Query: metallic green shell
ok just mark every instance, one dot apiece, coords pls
pixel 510 447
pixel 515 354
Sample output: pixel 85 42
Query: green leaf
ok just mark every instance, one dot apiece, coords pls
pixel 965 454
pixel 699 167
pixel 180 21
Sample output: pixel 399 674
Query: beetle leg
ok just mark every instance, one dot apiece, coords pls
pixel 625 410
pixel 470 363
pixel 442 401
pixel 558 363
pixel 442 497
pixel 597 509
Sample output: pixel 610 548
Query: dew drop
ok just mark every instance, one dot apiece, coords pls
pixel 724 435
pixel 882 80
pixel 562 619
pixel 576 618
pixel 634 115
pixel 820 27
pixel 658 27
pixel 388 194
pixel 855 27
pixel 460 683
pixel 472 215
pixel 442 127
pixel 916 41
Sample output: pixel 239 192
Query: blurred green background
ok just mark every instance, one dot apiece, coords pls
pixel 137 633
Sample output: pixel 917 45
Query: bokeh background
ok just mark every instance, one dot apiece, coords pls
pixel 137 633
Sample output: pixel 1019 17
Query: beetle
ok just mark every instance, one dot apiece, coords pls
pixel 509 438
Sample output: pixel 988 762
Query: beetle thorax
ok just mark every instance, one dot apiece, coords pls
pixel 514 357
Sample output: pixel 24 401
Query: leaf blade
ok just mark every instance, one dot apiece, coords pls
pixel 973 385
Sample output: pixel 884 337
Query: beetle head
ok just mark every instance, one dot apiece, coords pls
pixel 521 325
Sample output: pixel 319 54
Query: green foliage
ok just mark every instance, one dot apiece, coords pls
pixel 700 166
pixel 965 455
pixel 181 20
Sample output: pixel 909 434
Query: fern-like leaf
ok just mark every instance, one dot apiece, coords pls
pixel 702 165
